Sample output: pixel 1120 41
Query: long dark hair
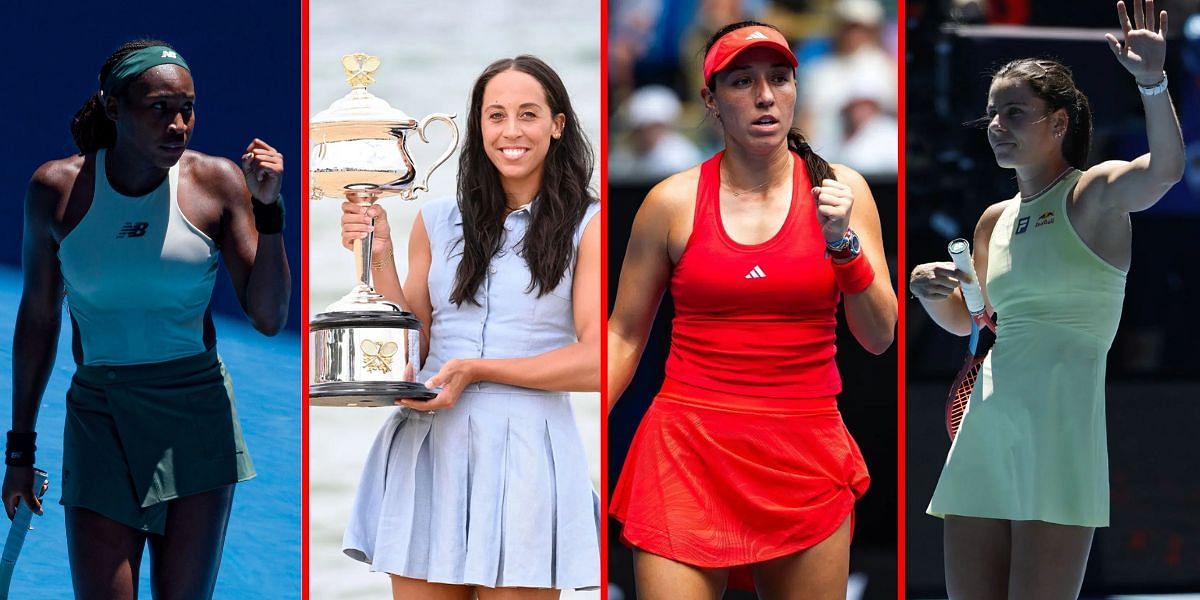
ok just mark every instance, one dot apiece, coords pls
pixel 91 128
pixel 548 246
pixel 1051 81
pixel 818 169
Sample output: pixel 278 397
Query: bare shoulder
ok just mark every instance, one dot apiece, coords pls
pixel 987 221
pixel 56 177
pixel 1093 181
pixel 215 174
pixel 52 186
pixel 847 175
pixel 674 195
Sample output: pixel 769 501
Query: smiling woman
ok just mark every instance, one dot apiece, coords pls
pixel 483 490
pixel 130 231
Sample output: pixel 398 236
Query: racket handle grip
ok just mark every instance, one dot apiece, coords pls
pixel 960 253
pixel 16 535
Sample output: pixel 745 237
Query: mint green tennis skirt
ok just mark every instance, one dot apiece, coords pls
pixel 139 435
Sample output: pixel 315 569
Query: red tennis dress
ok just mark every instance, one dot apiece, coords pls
pixel 743 456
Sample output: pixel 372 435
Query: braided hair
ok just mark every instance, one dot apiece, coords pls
pixel 91 128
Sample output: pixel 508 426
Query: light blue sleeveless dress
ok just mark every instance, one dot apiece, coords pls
pixel 494 491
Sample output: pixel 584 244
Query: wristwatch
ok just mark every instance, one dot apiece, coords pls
pixel 844 249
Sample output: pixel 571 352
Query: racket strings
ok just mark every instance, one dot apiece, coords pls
pixel 960 395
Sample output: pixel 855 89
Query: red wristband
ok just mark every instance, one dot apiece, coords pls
pixel 854 275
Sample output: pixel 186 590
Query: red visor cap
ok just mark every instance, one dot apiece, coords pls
pixel 733 43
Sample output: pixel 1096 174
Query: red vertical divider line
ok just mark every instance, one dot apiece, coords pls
pixel 304 539
pixel 604 299
pixel 902 294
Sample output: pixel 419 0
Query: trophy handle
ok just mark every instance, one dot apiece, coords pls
pixel 449 120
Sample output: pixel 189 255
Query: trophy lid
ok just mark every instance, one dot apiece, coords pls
pixel 359 107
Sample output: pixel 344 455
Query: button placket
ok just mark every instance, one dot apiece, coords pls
pixel 483 310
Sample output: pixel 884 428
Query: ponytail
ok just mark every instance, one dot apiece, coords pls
pixel 818 169
pixel 1078 139
pixel 91 128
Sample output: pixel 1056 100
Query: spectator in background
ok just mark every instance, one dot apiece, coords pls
pixel 869 140
pixel 858 49
pixel 652 148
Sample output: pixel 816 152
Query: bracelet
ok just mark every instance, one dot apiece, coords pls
pixel 854 275
pixel 268 218
pixel 20 449
pixel 1156 89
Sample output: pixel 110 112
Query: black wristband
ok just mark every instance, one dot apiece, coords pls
pixel 268 218
pixel 20 449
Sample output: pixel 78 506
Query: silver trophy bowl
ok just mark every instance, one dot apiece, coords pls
pixel 364 349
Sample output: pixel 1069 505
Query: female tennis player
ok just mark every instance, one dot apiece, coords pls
pixel 130 230
pixel 742 469
pixel 1026 480
pixel 484 491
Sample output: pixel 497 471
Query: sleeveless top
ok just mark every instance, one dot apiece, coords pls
pixel 138 277
pixel 1042 275
pixel 1033 443
pixel 509 322
pixel 760 319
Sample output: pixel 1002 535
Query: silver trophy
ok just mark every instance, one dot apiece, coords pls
pixel 366 350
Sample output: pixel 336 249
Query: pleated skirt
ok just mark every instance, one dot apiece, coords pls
pixel 713 480
pixel 493 492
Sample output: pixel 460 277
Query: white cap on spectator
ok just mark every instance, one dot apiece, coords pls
pixel 652 105
pixel 865 12
pixel 863 87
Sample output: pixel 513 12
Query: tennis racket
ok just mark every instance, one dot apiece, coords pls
pixel 17 531
pixel 983 335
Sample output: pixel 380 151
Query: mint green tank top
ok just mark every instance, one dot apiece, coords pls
pixel 1033 444
pixel 138 276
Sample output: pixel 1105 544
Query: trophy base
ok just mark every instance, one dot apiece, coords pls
pixel 369 394
pixel 365 358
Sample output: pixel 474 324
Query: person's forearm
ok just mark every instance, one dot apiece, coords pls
pixel 623 357
pixel 950 314
pixel 269 286
pixel 1167 153
pixel 871 316
pixel 35 344
pixel 571 368
pixel 385 279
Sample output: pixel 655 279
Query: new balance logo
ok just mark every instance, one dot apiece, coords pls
pixel 169 54
pixel 132 230
pixel 756 273
pixel 757 35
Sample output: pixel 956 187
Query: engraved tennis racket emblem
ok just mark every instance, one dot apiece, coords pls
pixel 377 356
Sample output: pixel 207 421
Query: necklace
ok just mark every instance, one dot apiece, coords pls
pixel 1067 170
pixel 737 194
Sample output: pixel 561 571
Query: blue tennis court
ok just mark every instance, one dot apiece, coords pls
pixel 262 550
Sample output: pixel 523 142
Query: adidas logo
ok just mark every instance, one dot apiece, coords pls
pixel 757 35
pixel 756 273
pixel 169 54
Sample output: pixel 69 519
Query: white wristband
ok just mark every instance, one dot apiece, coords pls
pixel 1154 90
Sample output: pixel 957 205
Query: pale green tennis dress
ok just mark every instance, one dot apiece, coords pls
pixel 1032 445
